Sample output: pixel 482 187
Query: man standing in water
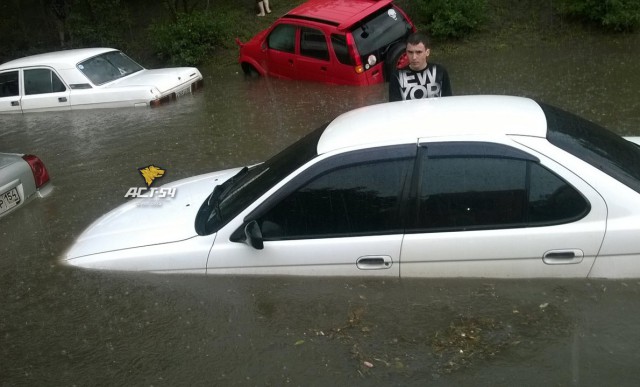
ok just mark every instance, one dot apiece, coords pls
pixel 420 79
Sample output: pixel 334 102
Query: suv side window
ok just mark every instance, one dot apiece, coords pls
pixel 42 81
pixel 283 38
pixel 313 44
pixel 9 84
pixel 339 44
pixel 349 200
pixel 487 192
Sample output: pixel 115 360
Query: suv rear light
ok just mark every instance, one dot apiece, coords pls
pixel 40 174
pixel 353 53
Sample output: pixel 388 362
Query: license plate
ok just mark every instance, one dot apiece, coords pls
pixel 8 200
pixel 184 91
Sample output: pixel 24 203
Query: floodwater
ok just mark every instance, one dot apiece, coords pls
pixel 64 326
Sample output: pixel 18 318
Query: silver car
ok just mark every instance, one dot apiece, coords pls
pixel 22 177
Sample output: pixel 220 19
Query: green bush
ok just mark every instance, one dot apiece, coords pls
pixel 193 37
pixel 616 15
pixel 450 18
pixel 99 23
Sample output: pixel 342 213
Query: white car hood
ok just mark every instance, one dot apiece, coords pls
pixel 162 79
pixel 150 221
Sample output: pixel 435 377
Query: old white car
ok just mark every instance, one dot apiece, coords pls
pixel 468 186
pixel 22 177
pixel 88 78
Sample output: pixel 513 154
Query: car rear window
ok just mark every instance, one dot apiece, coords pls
pixel 381 29
pixel 108 67
pixel 594 144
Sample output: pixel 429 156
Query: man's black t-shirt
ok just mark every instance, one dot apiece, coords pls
pixel 431 82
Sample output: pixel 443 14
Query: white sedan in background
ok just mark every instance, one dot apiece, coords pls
pixel 22 177
pixel 89 78
pixel 469 186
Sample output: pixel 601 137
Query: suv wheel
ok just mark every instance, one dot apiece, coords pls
pixel 396 58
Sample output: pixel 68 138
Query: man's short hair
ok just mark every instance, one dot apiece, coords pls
pixel 419 37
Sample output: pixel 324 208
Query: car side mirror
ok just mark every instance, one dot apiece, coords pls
pixel 253 235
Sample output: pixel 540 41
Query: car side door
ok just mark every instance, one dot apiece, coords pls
pixel 341 216
pixel 281 51
pixel 10 91
pixel 484 209
pixel 43 90
pixel 314 62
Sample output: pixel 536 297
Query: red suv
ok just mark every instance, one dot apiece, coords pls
pixel 346 42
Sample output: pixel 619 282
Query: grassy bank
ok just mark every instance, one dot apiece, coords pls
pixel 509 23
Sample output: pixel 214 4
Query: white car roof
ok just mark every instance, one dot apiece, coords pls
pixel 408 121
pixel 58 59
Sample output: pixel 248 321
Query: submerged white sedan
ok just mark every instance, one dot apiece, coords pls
pixel 468 186
pixel 89 78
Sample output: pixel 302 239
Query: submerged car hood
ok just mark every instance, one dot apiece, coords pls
pixel 150 221
pixel 162 79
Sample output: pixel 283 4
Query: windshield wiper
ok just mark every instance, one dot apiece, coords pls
pixel 204 223
pixel 229 184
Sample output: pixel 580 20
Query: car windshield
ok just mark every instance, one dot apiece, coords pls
pixel 380 30
pixel 231 197
pixel 594 144
pixel 108 67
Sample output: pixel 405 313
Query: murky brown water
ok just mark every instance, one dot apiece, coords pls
pixel 60 326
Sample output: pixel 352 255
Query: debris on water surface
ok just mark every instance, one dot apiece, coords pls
pixel 471 338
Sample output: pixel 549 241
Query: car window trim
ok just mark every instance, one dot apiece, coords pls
pixel 475 149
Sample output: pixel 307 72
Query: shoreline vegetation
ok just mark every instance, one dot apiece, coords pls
pixel 203 32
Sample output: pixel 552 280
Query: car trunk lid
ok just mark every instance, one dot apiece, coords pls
pixel 165 80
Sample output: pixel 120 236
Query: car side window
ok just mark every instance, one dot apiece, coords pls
pixel 551 199
pixel 9 84
pixel 339 44
pixel 357 199
pixel 488 192
pixel 283 38
pixel 42 81
pixel 313 44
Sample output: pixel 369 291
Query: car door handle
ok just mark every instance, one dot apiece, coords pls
pixel 323 68
pixel 563 257
pixel 62 99
pixel 291 62
pixel 374 262
pixel 15 103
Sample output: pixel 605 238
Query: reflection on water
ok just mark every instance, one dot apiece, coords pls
pixel 61 326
